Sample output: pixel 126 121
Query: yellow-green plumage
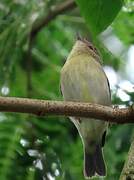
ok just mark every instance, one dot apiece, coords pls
pixel 83 79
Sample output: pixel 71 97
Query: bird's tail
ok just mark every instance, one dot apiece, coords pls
pixel 94 163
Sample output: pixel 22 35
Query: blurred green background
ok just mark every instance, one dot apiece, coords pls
pixel 49 148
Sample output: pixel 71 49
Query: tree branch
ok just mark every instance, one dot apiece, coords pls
pixel 37 26
pixel 53 13
pixel 29 66
pixel 128 170
pixel 44 107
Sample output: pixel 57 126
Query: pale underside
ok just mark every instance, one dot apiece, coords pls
pixel 86 82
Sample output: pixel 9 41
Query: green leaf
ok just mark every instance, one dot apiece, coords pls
pixel 99 14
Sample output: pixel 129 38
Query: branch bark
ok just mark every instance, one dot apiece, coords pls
pixel 78 109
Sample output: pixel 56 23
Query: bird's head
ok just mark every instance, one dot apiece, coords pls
pixel 82 46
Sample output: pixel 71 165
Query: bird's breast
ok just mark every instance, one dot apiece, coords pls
pixel 83 79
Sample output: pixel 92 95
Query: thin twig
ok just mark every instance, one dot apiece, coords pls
pixel 78 109
pixel 29 69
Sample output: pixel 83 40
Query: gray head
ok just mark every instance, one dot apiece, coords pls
pixel 90 45
pixel 82 46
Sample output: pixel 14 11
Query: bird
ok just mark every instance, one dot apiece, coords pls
pixel 83 79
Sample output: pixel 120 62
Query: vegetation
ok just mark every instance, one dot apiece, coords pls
pixel 33 47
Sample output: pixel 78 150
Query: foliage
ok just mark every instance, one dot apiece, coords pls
pixel 96 11
pixel 46 147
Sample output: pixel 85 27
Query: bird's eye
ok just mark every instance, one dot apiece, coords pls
pixel 91 47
